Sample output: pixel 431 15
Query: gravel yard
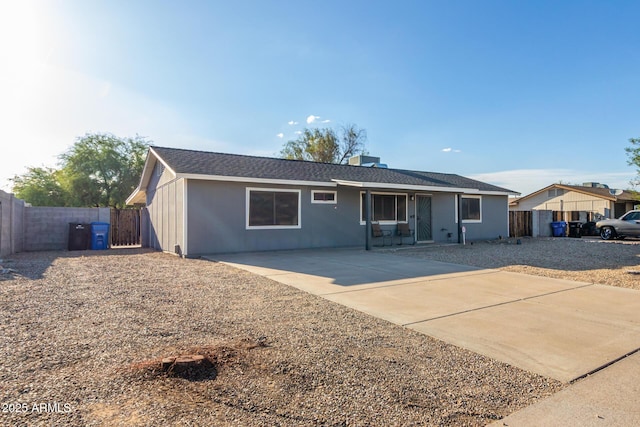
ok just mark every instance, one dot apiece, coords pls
pixel 591 260
pixel 84 334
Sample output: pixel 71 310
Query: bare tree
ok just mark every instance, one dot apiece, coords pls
pixel 352 142
pixel 325 145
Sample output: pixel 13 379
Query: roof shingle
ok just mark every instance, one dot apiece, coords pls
pixel 184 161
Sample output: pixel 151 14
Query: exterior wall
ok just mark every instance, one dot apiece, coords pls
pixel 163 218
pixel 443 218
pixel 47 228
pixel 494 223
pixel 11 224
pixel 145 225
pixel 216 220
pixel 495 220
pixel 567 202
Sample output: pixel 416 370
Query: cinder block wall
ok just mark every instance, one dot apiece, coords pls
pixel 11 224
pixel 47 228
pixel 542 223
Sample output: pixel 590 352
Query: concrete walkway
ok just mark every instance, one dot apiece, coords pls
pixel 557 328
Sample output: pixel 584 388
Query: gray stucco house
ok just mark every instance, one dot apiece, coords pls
pixel 203 203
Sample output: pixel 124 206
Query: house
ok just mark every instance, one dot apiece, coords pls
pixel 587 202
pixel 199 203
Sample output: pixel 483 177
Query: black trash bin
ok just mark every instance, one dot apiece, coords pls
pixel 575 229
pixel 589 229
pixel 79 236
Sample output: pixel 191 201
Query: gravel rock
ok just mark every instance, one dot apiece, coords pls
pixel 80 330
pixel 589 260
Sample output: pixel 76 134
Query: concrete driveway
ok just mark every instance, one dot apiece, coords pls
pixel 557 328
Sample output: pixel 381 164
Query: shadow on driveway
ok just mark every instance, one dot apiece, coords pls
pixel 342 267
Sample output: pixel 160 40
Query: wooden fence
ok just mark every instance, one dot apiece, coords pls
pixel 520 223
pixel 125 227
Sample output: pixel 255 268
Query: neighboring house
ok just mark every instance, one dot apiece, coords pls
pixel 201 203
pixel 587 202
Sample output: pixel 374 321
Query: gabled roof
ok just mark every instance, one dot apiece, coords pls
pixel 204 165
pixel 603 193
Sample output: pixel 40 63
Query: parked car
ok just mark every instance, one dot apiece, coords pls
pixel 628 225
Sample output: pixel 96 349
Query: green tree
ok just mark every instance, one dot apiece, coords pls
pixel 102 170
pixel 40 186
pixel 98 170
pixel 633 153
pixel 326 145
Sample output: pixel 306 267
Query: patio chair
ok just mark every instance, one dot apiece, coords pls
pixel 404 231
pixel 378 232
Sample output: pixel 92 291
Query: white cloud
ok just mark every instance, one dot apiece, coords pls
pixel 326 121
pixel 291 122
pixel 298 132
pixel 312 119
pixel 450 150
pixel 280 135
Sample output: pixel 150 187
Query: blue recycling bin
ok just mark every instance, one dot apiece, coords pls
pixel 559 228
pixel 99 235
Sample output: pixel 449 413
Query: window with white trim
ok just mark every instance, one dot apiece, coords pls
pixel 385 207
pixel 273 208
pixel 471 209
pixel 327 197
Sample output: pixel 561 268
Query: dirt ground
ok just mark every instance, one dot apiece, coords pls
pixel 85 333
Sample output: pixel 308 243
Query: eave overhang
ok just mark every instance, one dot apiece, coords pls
pixel 418 188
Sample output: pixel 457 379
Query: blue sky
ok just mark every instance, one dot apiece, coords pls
pixel 520 94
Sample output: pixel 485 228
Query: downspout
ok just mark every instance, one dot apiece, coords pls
pixel 459 218
pixel 367 217
pixel 185 216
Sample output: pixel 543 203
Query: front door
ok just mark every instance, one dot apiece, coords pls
pixel 423 218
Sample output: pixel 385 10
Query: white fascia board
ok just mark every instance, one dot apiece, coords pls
pixel 405 187
pixel 499 193
pixel 257 180
pixel 428 188
pixel 348 183
pixel 138 196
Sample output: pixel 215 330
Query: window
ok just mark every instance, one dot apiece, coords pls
pixel 555 192
pixel 632 216
pixel 471 209
pixel 385 207
pixel 328 197
pixel 269 208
